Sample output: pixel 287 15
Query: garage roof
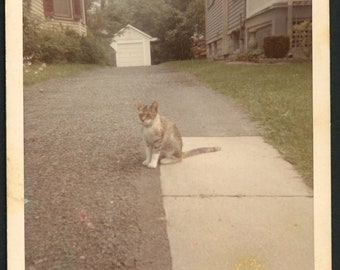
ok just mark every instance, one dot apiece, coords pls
pixel 121 31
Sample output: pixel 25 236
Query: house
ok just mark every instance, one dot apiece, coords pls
pixel 234 26
pixel 59 14
pixel 132 47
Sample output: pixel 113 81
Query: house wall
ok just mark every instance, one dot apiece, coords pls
pixel 254 7
pixel 236 19
pixel 214 19
pixel 274 21
pixel 262 18
pixel 269 23
pixel 37 9
pixel 56 23
pixel 236 13
pixel 216 28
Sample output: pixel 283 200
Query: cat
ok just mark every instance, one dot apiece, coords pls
pixel 162 137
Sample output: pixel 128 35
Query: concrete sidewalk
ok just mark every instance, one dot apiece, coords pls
pixel 243 208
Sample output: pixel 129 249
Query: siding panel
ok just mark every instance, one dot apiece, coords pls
pixel 235 9
pixel 214 19
pixel 37 9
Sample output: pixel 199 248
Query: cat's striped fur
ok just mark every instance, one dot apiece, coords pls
pixel 163 139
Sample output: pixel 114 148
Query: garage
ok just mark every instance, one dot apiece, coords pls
pixel 132 47
pixel 130 54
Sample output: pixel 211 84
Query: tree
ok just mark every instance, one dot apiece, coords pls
pixel 173 22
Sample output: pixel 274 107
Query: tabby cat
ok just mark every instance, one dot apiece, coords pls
pixel 162 137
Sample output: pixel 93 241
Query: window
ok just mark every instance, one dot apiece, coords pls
pixel 68 9
pixel 62 8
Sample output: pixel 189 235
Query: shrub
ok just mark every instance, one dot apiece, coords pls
pixel 31 28
pixel 51 47
pixel 73 51
pixel 61 46
pixel 250 56
pixel 276 46
pixel 93 50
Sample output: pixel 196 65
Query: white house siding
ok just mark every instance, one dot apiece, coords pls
pixel 214 19
pixel 216 28
pixel 37 9
pixel 236 13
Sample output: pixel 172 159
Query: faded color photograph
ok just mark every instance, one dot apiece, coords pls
pixel 168 134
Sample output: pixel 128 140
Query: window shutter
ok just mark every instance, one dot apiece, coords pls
pixel 48 8
pixel 76 9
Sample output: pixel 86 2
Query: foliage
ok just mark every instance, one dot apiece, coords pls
pixel 172 22
pixel 31 28
pixel 61 46
pixel 250 56
pixel 199 48
pixel 276 46
pixel 278 96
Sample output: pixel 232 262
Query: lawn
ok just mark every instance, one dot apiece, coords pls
pixel 41 72
pixel 279 96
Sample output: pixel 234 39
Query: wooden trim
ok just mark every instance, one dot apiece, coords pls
pixel 76 10
pixel 48 8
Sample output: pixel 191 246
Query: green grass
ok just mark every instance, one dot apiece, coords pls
pixel 279 96
pixel 36 73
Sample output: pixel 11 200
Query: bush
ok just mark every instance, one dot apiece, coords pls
pixel 31 28
pixel 276 46
pixel 93 50
pixel 250 56
pixel 61 46
pixel 73 51
pixel 68 47
pixel 52 47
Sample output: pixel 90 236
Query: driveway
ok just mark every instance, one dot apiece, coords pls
pixel 90 204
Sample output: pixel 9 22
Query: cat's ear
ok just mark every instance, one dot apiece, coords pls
pixel 139 104
pixel 154 105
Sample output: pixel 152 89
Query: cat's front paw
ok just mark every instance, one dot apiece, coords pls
pixel 152 165
pixel 146 162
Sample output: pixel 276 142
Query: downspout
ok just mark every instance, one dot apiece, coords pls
pixel 245 27
pixel 242 38
pixel 290 20
pixel 225 41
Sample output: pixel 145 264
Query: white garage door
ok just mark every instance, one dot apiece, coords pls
pixel 130 54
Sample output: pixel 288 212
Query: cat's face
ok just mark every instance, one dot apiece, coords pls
pixel 147 113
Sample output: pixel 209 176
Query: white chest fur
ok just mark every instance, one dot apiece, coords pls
pixel 150 132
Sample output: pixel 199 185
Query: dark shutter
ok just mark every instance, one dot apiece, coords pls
pixel 48 8
pixel 76 9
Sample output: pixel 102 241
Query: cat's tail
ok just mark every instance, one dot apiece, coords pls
pixel 199 151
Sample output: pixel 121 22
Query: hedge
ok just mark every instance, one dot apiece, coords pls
pixel 276 46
